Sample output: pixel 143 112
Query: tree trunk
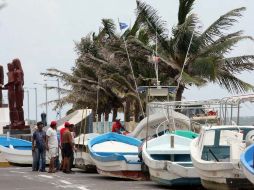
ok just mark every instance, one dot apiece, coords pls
pixel 114 113
pixel 106 116
pixel 94 114
pixel 99 117
pixel 137 111
pixel 179 93
pixel 127 110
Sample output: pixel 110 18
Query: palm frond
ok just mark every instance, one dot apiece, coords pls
pixel 233 84
pixel 196 80
pixel 205 67
pixel 185 6
pixel 182 36
pixel 122 81
pixel 220 25
pixel 149 17
pixel 135 28
pixel 143 37
pixel 108 29
pixel 86 45
pixel 239 63
pixel 223 45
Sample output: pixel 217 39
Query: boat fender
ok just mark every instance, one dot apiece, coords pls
pixel 250 138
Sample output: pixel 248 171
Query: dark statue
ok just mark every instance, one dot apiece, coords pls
pixel 19 91
pixel 44 119
pixel 15 94
pixel 1 84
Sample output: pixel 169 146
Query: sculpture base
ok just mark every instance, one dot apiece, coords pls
pixel 17 130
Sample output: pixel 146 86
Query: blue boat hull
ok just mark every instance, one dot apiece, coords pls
pixel 19 144
pixel 247 159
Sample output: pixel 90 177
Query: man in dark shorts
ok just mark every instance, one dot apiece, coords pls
pixel 67 148
pixel 39 148
pixel 73 147
pixel 66 125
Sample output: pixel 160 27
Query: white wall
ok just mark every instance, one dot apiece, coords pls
pixel 4 118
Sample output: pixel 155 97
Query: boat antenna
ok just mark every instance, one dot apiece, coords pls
pixel 156 66
pixel 97 105
pixel 132 72
pixel 82 116
pixel 185 59
pixel 156 59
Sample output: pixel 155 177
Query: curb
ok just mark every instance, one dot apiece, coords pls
pixel 4 164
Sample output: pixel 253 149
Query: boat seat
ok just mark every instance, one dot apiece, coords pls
pixel 211 153
pixel 172 157
pixel 132 159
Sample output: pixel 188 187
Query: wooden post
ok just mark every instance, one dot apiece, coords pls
pixel 172 141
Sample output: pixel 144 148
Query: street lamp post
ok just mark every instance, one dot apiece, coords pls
pixel 58 87
pixel 46 96
pixel 36 103
pixel 28 105
pixel 59 94
pixel 46 90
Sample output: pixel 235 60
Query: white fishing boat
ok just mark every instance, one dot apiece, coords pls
pixel 168 159
pixel 82 157
pixel 16 151
pixel 16 156
pixel 116 155
pixel 216 152
pixel 157 117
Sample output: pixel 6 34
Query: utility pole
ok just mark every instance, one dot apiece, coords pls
pixel 28 105
pixel 46 90
pixel 46 96
pixel 59 95
pixel 58 87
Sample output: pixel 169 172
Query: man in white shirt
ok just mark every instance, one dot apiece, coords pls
pixel 52 145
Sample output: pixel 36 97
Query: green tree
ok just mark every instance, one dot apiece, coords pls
pixel 208 59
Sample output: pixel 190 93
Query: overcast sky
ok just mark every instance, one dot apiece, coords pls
pixel 42 33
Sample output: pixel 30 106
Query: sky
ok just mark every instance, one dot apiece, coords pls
pixel 42 34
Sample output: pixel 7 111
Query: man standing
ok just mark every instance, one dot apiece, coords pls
pixel 67 148
pixel 73 146
pixel 52 145
pixel 66 125
pixel 39 148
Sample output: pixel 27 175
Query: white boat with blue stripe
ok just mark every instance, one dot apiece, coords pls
pixel 168 159
pixel 247 161
pixel 116 155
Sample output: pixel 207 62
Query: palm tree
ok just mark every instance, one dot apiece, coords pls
pixel 102 67
pixel 208 58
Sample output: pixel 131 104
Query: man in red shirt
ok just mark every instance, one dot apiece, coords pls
pixel 117 126
pixel 66 126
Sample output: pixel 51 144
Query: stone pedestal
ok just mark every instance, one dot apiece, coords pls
pixel 17 130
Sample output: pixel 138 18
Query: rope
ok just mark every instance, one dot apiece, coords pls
pixel 80 131
pixel 185 59
pixel 84 130
pixel 97 105
pixel 128 56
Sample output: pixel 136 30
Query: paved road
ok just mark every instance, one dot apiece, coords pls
pixel 22 178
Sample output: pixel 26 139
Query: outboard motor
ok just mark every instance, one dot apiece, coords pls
pixel 250 138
